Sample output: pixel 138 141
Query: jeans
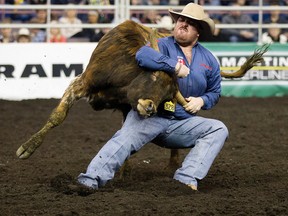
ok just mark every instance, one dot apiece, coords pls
pixel 204 136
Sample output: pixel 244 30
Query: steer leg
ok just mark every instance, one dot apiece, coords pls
pixel 74 92
pixel 125 170
pixel 174 159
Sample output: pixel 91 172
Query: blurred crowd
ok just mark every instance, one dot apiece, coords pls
pixel 79 34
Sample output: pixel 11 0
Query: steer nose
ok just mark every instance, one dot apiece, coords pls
pixel 150 107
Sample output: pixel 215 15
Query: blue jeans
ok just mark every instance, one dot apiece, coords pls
pixel 204 136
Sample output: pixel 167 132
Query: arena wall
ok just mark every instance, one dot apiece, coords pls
pixel 30 71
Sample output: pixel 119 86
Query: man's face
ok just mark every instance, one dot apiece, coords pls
pixel 6 32
pixel 186 31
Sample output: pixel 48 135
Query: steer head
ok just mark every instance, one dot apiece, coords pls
pixel 144 94
pixel 149 89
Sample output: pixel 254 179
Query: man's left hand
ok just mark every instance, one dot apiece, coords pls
pixel 194 104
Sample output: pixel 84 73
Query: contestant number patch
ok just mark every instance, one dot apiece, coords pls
pixel 169 106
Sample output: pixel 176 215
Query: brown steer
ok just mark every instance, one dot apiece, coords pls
pixel 112 79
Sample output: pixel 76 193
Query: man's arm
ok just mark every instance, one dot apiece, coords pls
pixel 153 60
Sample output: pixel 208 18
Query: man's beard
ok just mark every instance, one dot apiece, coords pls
pixel 181 37
pixel 182 41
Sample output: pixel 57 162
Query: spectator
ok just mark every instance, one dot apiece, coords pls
pixel 99 2
pixel 254 15
pixel 97 37
pixel 135 2
pixel 275 16
pixel 18 15
pixel 39 34
pixel 150 17
pixel 151 2
pixel 109 16
pixel 58 2
pixel 92 34
pixel 70 17
pixel 136 16
pixel 6 34
pixel 284 2
pixel 40 17
pixel 239 35
pixel 23 36
pixel 215 2
pixel 56 35
pixel 184 2
pixel 224 2
pixel 243 2
pixel 37 2
pixel 166 25
pixel 89 33
pixel 164 2
pixel 274 34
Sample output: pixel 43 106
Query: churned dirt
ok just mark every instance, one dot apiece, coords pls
pixel 249 177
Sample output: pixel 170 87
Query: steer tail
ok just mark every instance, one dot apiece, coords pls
pixel 254 59
pixel 74 92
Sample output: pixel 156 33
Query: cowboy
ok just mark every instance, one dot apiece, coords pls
pixel 174 126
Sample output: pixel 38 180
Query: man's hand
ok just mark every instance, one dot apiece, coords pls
pixel 194 104
pixel 181 70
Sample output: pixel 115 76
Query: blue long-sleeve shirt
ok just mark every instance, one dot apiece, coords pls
pixel 204 79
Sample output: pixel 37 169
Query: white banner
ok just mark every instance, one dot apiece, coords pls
pixel 44 70
pixel 29 71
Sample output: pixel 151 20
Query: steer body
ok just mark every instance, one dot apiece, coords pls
pixel 112 79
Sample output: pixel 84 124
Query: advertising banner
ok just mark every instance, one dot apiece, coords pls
pixel 268 79
pixel 30 71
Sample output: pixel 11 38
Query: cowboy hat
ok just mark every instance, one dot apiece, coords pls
pixel 196 12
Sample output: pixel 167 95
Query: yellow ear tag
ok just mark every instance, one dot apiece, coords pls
pixel 169 106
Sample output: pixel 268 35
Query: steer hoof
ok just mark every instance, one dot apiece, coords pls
pixel 27 149
pixel 146 107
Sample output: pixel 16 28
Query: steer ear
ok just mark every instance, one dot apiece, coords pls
pixel 154 76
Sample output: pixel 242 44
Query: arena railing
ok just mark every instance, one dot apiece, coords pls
pixel 122 10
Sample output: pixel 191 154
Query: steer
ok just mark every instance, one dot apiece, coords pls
pixel 113 80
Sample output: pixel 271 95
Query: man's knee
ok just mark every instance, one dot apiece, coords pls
pixel 225 130
pixel 221 128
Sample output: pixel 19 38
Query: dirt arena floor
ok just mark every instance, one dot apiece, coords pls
pixel 249 177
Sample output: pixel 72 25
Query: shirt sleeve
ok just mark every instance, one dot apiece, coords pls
pixel 151 59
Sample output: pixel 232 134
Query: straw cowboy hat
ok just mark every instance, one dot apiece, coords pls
pixel 196 12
